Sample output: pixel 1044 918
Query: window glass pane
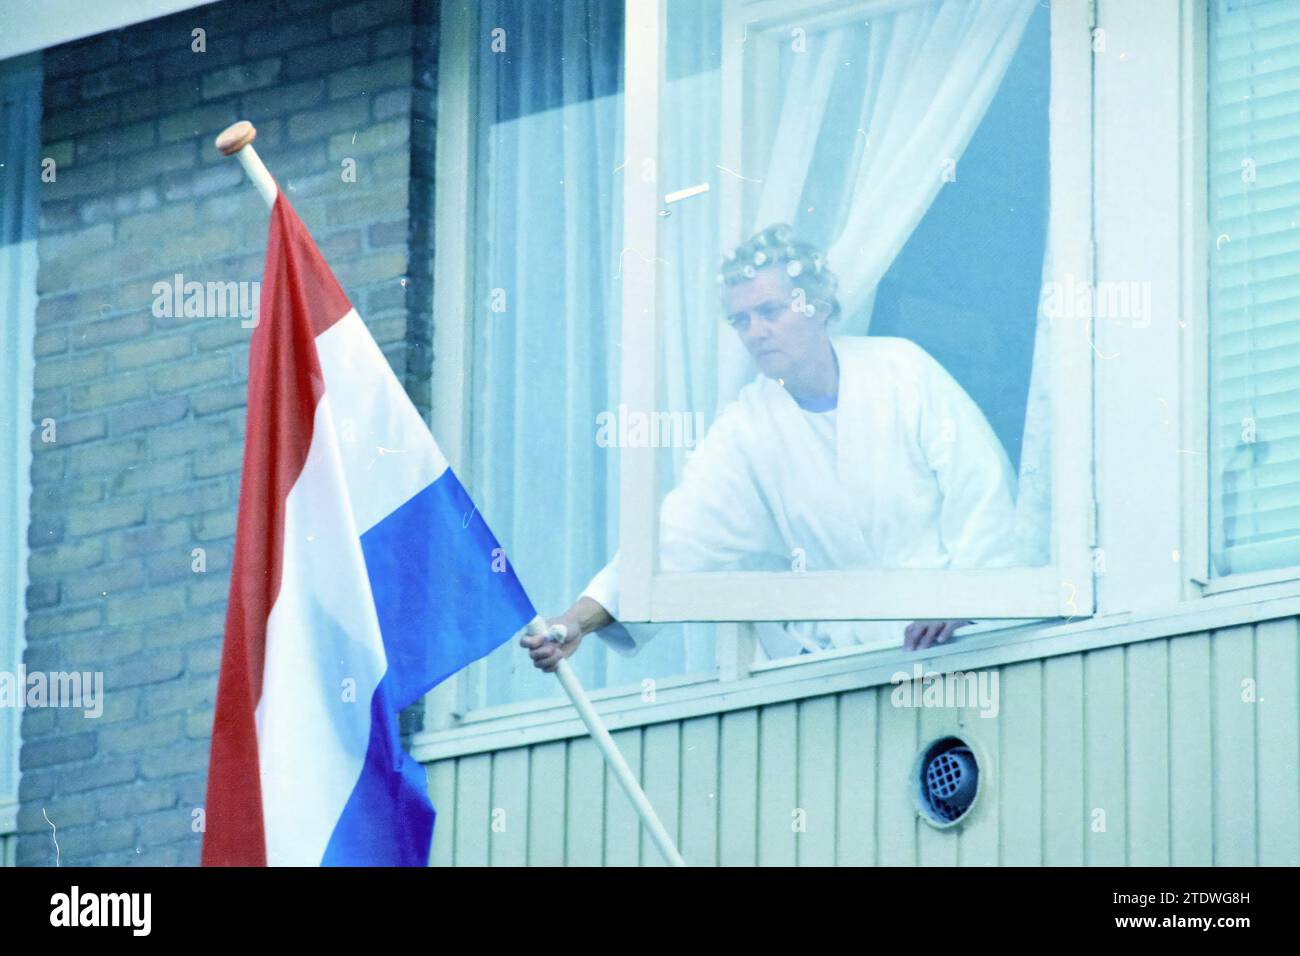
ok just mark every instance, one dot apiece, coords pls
pixel 20 141
pixel 883 166
pixel 546 322
pixel 1254 270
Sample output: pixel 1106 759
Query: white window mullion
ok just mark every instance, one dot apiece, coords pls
pixel 638 511
pixel 1194 310
pixel 1142 424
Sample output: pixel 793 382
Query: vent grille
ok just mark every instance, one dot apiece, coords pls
pixel 948 780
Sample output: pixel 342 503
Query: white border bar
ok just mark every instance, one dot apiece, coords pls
pixel 62 21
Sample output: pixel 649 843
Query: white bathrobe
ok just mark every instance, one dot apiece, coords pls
pixel 905 473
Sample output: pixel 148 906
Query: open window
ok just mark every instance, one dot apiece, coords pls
pixel 910 144
pixel 597 161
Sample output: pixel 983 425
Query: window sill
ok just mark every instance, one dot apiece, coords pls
pixel 535 722
pixel 1236 582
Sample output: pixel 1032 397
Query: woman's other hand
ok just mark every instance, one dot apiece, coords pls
pixel 921 634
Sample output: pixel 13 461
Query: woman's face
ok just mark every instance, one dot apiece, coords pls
pixel 778 337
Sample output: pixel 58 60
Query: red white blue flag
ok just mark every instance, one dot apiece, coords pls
pixel 363 575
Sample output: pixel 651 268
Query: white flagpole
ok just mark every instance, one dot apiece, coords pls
pixel 237 141
pixel 613 756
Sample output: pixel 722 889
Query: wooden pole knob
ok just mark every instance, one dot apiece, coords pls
pixel 235 137
pixel 232 142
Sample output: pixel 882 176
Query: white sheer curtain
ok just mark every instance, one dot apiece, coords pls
pixel 547 322
pixel 927 75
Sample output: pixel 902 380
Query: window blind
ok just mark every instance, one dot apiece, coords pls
pixel 1254 277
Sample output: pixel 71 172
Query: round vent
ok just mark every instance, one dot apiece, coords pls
pixel 947 780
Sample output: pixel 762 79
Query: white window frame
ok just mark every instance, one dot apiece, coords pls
pixel 454 703
pixel 1064 587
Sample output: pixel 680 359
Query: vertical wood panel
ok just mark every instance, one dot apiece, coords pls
pixel 1147 741
pixel 700 799
pixel 934 847
pixel 1155 733
pixel 1191 760
pixel 473 792
pixel 1063 810
pixel 1020 776
pixel 896 813
pixel 1232 662
pixel 661 781
pixel 1278 727
pixel 777 779
pixel 546 809
pixel 738 806
pixel 622 825
pixel 510 800
pixel 442 791
pixel 977 841
pixel 855 816
pixel 1105 701
pixel 815 792
pixel 584 836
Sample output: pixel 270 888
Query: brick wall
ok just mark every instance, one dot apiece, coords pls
pixel 148 410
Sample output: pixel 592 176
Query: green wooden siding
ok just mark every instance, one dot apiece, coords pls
pixel 1154 739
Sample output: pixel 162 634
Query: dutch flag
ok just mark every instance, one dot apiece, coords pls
pixel 363 575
